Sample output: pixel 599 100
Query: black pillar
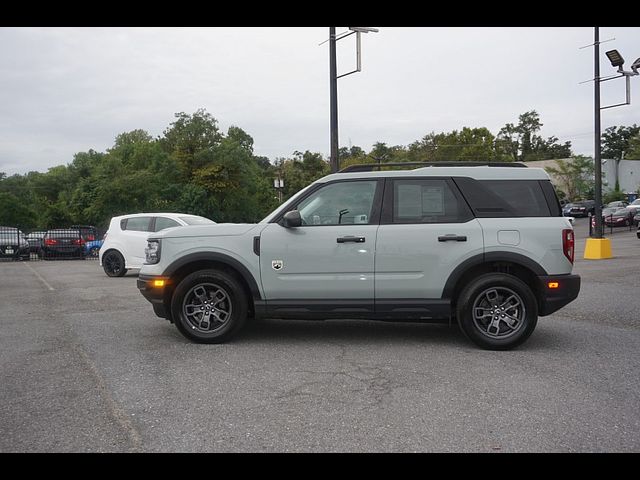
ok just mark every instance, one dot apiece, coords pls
pixel 333 82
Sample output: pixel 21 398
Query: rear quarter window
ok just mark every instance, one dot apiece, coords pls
pixel 138 224
pixel 508 198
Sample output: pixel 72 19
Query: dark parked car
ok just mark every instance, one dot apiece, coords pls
pixel 89 232
pixel 35 240
pixel 567 209
pixel 63 243
pixel 13 244
pixel 583 208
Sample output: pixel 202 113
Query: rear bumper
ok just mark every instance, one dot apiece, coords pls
pixel 553 298
pixel 157 295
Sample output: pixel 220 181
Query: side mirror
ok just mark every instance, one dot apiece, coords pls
pixel 292 219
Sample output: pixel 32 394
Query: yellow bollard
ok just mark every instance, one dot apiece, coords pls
pixel 597 249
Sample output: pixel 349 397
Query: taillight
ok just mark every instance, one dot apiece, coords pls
pixel 78 241
pixel 50 241
pixel 568 244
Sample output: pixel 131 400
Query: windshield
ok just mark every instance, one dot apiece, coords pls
pixel 195 220
pixel 622 211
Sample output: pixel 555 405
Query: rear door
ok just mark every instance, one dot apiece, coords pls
pixel 426 231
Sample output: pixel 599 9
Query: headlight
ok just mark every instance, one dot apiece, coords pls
pixel 152 252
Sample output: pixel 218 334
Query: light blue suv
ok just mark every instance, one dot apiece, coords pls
pixel 482 244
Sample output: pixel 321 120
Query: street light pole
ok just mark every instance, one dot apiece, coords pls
pixel 597 246
pixel 597 128
pixel 333 97
pixel 333 83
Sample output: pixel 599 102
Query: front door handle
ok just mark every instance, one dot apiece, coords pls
pixel 452 237
pixel 350 239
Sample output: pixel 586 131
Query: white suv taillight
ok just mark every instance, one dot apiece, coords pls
pixel 568 244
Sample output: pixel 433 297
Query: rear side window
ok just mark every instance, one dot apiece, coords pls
pixel 505 198
pixel 427 201
pixel 138 224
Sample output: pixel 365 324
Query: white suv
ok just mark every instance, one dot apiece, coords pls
pixel 484 245
pixel 126 239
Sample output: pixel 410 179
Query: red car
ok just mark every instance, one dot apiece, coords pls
pixel 622 217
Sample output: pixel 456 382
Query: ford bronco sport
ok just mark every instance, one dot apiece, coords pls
pixel 484 244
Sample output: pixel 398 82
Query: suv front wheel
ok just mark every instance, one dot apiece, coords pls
pixel 497 311
pixel 209 306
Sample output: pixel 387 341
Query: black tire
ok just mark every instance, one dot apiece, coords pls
pixel 497 311
pixel 209 306
pixel 113 264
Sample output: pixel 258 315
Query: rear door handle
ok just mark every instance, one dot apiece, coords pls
pixel 452 238
pixel 350 239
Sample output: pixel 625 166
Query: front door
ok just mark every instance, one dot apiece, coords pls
pixel 327 264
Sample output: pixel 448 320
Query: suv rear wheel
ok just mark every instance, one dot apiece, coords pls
pixel 209 306
pixel 497 311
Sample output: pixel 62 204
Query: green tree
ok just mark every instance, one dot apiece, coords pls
pixel 188 137
pixel 522 144
pixel 617 145
pixel 634 148
pixel 575 175
pixel 15 213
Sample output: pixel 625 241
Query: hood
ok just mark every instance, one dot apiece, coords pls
pixel 212 230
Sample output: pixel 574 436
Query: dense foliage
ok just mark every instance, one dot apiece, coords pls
pixel 193 167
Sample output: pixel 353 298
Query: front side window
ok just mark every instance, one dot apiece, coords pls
pixel 426 201
pixel 339 204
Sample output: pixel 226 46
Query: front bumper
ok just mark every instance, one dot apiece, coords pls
pixel 553 299
pixel 158 295
pixel 15 251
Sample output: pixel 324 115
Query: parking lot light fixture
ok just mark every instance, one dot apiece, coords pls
pixel 615 58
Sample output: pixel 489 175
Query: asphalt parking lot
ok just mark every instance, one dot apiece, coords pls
pixel 88 367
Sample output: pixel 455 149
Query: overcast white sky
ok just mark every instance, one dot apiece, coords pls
pixel 67 90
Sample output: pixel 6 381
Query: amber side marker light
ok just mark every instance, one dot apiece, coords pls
pixel 553 284
pixel 158 283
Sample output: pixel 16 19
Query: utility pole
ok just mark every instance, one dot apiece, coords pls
pixel 333 83
pixel 333 86
pixel 597 128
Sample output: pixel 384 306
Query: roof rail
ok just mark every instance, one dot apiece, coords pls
pixel 369 167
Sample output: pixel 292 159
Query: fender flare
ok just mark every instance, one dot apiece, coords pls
pixel 219 258
pixel 490 257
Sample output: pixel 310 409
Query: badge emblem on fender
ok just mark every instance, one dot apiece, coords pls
pixel 277 264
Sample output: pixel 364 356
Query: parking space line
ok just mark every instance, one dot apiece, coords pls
pixel 39 276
